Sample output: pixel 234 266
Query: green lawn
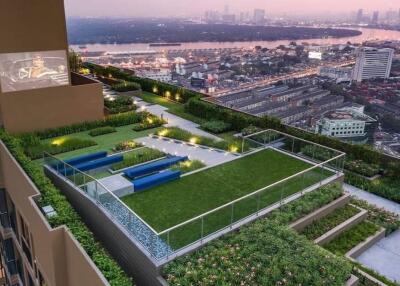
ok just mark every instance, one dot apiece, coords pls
pixel 104 142
pixel 173 107
pixel 175 202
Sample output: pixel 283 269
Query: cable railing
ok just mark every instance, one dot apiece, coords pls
pixel 323 165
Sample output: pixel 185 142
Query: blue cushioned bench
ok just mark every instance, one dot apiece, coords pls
pixel 80 159
pixel 155 180
pixel 152 167
pixel 86 166
pixel 85 158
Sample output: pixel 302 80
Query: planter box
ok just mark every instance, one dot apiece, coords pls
pixel 336 231
pixel 363 246
pixel 353 281
pixel 302 223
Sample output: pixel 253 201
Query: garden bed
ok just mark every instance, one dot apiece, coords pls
pixel 351 238
pixel 320 227
pixel 133 158
pixel 265 253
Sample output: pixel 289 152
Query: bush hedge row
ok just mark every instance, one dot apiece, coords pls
pixel 116 120
pixel 216 126
pixel 35 151
pixel 125 86
pixel 66 215
pixel 102 130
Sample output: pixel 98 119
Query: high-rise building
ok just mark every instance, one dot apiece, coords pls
pixel 259 16
pixel 375 17
pixel 372 63
pixel 360 15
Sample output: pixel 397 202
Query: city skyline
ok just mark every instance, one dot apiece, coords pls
pixel 132 8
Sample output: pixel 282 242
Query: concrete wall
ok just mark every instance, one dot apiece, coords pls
pixel 34 25
pixel 60 259
pixel 128 253
pixel 39 25
pixel 39 109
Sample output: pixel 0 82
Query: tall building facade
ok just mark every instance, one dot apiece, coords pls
pixel 372 63
pixel 38 91
pixel 259 16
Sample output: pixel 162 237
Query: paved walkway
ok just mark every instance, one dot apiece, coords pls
pixel 373 199
pixel 173 120
pixel 384 256
pixel 207 156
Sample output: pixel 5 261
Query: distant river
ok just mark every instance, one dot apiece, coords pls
pixel 367 34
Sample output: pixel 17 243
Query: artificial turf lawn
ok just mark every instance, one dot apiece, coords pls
pixel 175 202
pixel 104 142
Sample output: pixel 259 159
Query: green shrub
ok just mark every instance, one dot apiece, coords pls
pixel 66 215
pixel 307 204
pixel 250 130
pixel 351 238
pixel 138 157
pixel 101 131
pixel 148 123
pixel 127 145
pixel 323 225
pixel 216 126
pixel 58 146
pixel 125 86
pixel 263 253
pixel 115 120
pixel 362 168
pixel 387 220
pixel 120 104
pixel 382 187
pixel 188 166
pixel 186 136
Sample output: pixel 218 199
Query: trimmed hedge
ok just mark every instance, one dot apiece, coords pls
pixel 183 135
pixel 61 145
pixel 102 130
pixel 382 187
pixel 138 157
pixel 125 86
pixel 116 120
pixel 120 104
pixel 127 145
pixel 66 215
pixel 262 253
pixel 216 126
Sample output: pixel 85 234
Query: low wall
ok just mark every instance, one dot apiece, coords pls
pixel 127 252
pixel 370 241
pixel 336 231
pixel 302 223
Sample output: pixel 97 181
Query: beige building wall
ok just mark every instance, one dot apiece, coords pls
pixel 35 26
pixel 59 258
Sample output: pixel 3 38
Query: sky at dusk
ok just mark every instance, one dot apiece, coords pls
pixel 168 8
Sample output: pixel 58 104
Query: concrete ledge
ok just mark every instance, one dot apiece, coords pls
pixel 336 231
pixel 302 223
pixel 353 281
pixel 363 246
pixel 370 278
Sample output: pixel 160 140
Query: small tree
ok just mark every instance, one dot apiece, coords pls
pixel 75 61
